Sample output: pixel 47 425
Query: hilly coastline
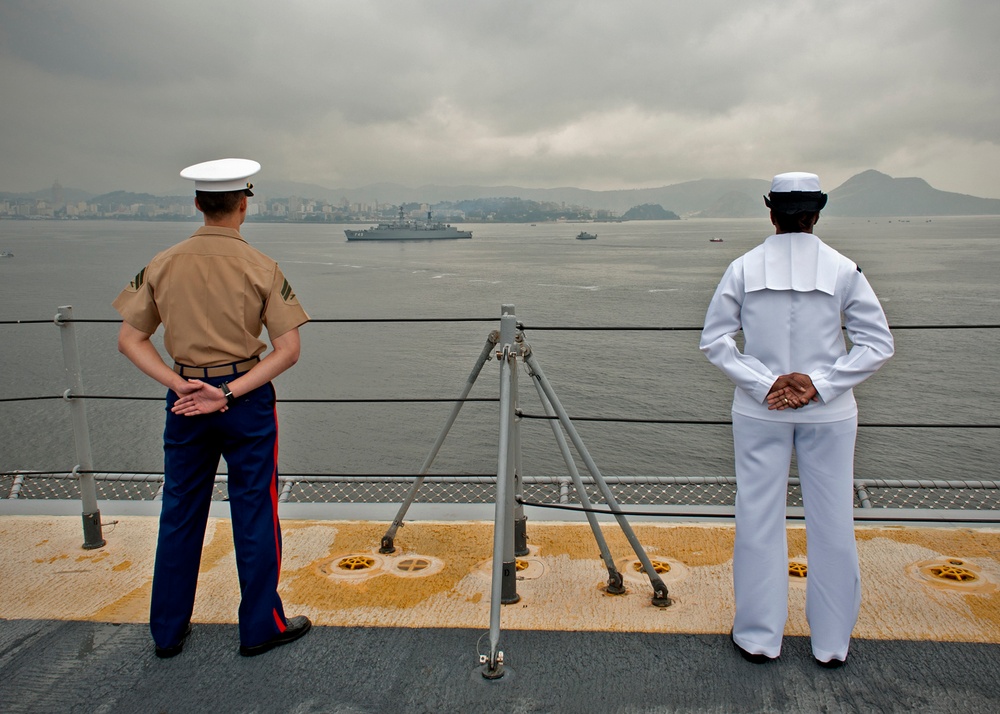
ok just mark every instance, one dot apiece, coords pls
pixel 870 194
pixel 874 194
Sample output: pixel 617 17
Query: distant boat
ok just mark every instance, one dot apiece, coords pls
pixel 6 254
pixel 714 240
pixel 408 230
pixel 583 235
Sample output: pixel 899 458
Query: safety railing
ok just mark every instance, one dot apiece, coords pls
pixel 695 496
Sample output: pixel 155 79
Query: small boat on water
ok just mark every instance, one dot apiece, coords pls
pixel 583 235
pixel 714 240
pixel 408 230
pixel 6 254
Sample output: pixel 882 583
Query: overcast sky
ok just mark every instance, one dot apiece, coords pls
pixel 121 94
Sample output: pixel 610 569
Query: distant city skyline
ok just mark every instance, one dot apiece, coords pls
pixel 596 95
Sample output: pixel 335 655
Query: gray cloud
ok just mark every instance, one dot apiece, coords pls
pixel 606 94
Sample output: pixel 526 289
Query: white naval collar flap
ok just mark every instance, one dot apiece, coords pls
pixel 791 261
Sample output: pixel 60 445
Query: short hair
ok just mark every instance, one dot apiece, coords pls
pixel 215 204
pixel 801 222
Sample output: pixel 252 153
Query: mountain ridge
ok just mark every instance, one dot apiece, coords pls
pixel 869 194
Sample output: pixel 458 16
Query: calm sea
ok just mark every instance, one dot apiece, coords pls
pixel 636 274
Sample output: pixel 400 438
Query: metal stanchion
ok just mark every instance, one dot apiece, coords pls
pixel 503 588
pixel 520 524
pixel 509 343
pixel 862 493
pixel 92 536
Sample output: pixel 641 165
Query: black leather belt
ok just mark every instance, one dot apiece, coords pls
pixel 219 370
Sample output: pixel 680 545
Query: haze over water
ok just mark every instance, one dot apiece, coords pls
pixel 651 274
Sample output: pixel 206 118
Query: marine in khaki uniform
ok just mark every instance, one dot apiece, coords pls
pixel 214 293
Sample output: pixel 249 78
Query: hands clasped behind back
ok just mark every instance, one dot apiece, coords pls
pixel 791 391
pixel 199 398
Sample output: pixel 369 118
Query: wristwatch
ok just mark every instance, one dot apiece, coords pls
pixel 228 394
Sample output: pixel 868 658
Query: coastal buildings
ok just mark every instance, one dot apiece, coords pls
pixel 67 204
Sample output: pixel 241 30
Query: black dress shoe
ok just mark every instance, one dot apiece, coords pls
pixel 174 650
pixel 750 656
pixel 833 663
pixel 294 629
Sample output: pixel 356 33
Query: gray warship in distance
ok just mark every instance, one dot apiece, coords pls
pixel 408 230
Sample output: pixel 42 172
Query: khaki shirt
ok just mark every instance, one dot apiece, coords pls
pixel 213 293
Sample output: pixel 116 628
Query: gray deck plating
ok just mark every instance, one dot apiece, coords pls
pixel 54 666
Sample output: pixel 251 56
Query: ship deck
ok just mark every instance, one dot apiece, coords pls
pixel 403 632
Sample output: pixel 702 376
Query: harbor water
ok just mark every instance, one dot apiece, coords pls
pixel 938 272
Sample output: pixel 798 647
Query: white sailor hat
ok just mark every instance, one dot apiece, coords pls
pixel 222 175
pixel 795 192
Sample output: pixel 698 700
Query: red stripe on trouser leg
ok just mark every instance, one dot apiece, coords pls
pixel 274 494
pixel 278 620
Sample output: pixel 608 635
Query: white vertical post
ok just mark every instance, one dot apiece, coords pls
pixel 92 536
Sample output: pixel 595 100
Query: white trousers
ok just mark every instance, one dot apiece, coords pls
pixel 825 457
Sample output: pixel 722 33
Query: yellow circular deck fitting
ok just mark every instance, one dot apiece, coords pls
pixel 797 570
pixel 953 572
pixel 667 569
pixel 413 565
pixel 659 566
pixel 520 565
pixel 352 567
pixel 356 562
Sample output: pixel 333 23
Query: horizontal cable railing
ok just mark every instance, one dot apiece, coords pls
pixel 634 489
pixel 386 400
pixel 521 325
pixel 524 415
pixel 653 328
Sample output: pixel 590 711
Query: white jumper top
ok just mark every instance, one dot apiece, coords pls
pixel 788 296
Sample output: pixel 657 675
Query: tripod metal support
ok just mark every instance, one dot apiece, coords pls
pixel 510 469
pixel 660 595
pixel 503 588
pixel 492 665
pixel 521 533
pixel 616 584
pixel 388 545
pixel 520 520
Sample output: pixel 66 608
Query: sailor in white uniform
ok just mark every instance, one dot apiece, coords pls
pixel 794 380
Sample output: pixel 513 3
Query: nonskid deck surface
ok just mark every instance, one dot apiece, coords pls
pixel 400 632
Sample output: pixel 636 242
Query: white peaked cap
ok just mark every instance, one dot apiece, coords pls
pixel 795 181
pixel 222 174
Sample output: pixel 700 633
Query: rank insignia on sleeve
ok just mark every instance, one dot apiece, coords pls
pixel 137 282
pixel 286 292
